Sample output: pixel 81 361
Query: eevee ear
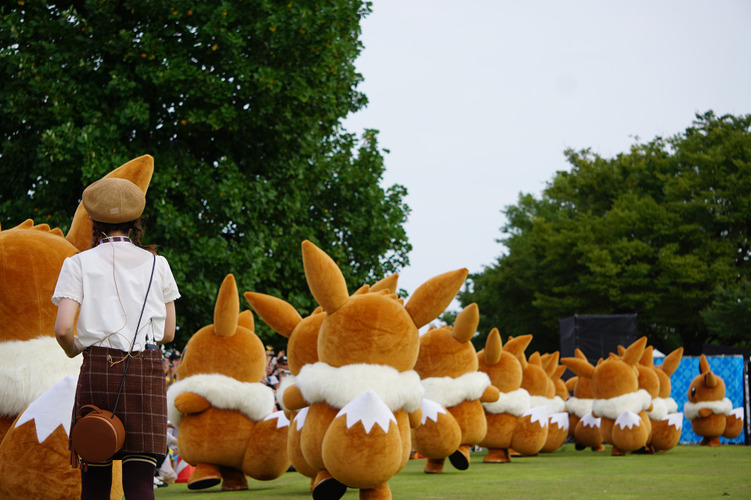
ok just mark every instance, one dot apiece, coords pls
pixel 434 296
pixel 703 364
pixel 558 372
pixel 571 383
pixel 671 361
pixel 621 350
pixel 545 357
pixel 551 363
pixel 647 358
pixel 579 354
pixel 517 345
pixel 466 323
pixel 493 348
pixel 581 367
pixel 325 279
pixel 535 359
pixel 277 313
pixel 227 308
pixel 634 351
pixel 522 359
pixel 387 283
pixel 710 379
pixel 245 319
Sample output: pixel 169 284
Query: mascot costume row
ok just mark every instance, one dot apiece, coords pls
pixel 365 388
pixel 619 404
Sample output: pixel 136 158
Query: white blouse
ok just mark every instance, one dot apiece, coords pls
pixel 109 282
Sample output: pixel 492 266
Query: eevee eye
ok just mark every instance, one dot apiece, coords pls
pixel 693 392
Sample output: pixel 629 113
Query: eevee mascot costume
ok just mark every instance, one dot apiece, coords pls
pixel 710 412
pixel 302 349
pixel 227 426
pixel 34 456
pixel 447 365
pixel 558 420
pixel 583 426
pixel 511 422
pixel 667 421
pixel 363 394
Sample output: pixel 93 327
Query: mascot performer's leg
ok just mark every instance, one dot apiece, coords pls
pixel 366 445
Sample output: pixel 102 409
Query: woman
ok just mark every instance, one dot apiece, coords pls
pixel 108 283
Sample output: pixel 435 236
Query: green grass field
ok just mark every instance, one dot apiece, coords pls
pixel 682 473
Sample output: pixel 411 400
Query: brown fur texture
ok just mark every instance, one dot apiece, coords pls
pixel 504 368
pixel 437 438
pixel 648 378
pixel 41 470
pixel 213 434
pixel 530 434
pixel 534 378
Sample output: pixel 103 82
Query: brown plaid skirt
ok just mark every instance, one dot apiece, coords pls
pixel 142 406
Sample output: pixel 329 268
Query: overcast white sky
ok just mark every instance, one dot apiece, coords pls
pixel 477 100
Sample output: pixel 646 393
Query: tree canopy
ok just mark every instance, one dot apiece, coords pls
pixel 240 103
pixel 663 230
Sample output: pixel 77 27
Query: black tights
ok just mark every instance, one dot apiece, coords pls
pixel 138 478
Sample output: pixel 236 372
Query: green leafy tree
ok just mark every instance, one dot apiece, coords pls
pixel 729 316
pixel 240 104
pixel 654 231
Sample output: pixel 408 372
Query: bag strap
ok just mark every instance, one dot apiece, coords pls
pixel 138 325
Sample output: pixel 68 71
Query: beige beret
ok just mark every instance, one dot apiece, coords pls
pixel 113 200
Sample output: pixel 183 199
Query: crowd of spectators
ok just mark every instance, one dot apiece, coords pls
pixel 171 358
pixel 276 368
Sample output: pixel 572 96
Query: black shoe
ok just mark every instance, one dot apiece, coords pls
pixel 458 460
pixel 329 489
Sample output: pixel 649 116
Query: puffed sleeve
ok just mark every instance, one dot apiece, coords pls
pixel 69 282
pixel 169 286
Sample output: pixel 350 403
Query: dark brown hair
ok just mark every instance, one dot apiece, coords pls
pixel 133 228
